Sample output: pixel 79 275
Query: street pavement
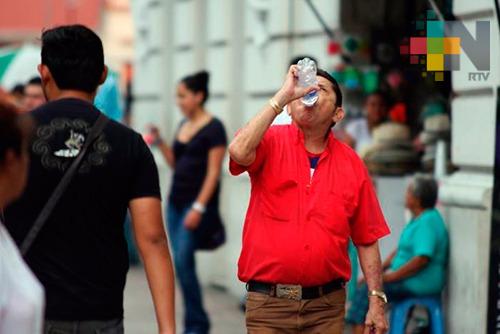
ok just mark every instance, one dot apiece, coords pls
pixel 225 316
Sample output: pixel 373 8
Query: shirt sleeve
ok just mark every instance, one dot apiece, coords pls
pixel 217 136
pixel 424 240
pixel 368 223
pixel 260 154
pixel 145 181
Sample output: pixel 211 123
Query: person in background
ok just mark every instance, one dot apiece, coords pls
pixel 108 98
pixel 310 194
pixel 358 132
pixel 33 94
pixel 196 157
pixel 21 295
pixel 17 92
pixel 80 255
pixel 418 266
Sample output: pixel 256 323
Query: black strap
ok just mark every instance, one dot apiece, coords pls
pixel 44 215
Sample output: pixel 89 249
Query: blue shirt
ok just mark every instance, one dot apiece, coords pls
pixel 425 235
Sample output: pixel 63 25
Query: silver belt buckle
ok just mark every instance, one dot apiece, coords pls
pixel 293 292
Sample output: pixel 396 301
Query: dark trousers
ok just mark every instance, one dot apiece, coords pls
pixel 84 327
pixel 184 246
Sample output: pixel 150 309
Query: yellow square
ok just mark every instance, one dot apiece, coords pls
pixel 435 62
pixel 452 45
pixel 439 76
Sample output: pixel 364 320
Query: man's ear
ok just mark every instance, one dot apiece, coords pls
pixel 45 73
pixel 104 75
pixel 338 115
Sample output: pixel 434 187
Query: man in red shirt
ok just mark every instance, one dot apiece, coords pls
pixel 310 194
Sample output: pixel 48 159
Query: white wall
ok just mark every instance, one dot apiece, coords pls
pixel 466 195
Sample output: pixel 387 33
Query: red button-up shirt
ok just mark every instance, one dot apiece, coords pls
pixel 297 227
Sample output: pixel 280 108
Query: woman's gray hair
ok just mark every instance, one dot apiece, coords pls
pixel 425 188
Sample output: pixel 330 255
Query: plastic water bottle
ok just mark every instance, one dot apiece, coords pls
pixel 307 77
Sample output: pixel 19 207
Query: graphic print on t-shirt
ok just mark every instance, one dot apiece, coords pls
pixel 74 145
pixel 58 153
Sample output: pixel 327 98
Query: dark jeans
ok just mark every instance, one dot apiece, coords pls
pixel 183 244
pixel 84 327
pixel 359 307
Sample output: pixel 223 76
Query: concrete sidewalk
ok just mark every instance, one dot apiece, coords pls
pixel 225 316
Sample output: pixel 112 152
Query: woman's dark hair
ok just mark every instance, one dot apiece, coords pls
pixel 198 83
pixel 11 130
pixel 335 85
pixel 74 56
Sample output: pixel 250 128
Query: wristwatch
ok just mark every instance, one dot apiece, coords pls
pixel 197 206
pixel 379 294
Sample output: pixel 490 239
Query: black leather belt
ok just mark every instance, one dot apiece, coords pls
pixel 295 292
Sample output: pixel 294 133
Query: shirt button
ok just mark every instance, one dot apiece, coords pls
pixel 306 247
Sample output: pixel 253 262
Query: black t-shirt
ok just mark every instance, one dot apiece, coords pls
pixel 191 162
pixel 80 256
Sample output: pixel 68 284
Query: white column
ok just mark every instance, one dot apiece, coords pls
pixel 466 195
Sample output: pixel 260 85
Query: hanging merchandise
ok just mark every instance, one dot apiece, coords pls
pixel 352 78
pixel 334 48
pixel 338 73
pixel 370 79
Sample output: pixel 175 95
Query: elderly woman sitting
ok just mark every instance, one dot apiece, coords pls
pixel 418 266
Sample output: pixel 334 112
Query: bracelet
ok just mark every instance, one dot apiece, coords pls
pixel 276 107
pixel 197 206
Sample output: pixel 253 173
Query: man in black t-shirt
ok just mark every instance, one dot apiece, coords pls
pixel 80 256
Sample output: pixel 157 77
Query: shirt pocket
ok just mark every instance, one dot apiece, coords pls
pixel 279 199
pixel 331 213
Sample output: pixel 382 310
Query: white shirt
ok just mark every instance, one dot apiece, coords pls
pixel 359 131
pixel 22 298
pixel 283 118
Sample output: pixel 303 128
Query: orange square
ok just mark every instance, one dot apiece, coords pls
pixel 452 45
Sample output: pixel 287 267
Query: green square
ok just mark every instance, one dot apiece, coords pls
pixel 435 45
pixel 431 15
pixel 420 25
pixel 435 29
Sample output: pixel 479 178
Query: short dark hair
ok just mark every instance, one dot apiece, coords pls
pixel 197 83
pixel 425 189
pixel 35 81
pixel 74 56
pixel 382 94
pixel 335 85
pixel 18 89
pixel 11 131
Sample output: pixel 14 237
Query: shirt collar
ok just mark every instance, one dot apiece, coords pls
pixel 300 141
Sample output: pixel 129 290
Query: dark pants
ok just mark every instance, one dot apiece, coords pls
pixel 84 327
pixel 184 246
pixel 271 315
